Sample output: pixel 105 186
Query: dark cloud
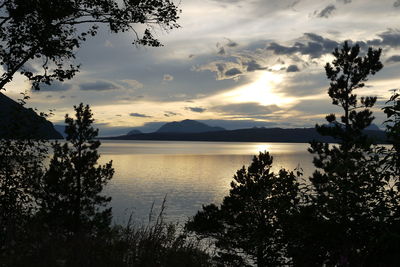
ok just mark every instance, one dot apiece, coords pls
pixel 233 72
pixel 196 109
pixel 139 115
pixel 252 65
pixel 245 109
pixel 390 38
pixel 170 114
pixel 221 51
pixel 98 86
pixel 293 68
pixel 395 58
pixel 344 1
pixel 55 87
pixel 314 46
pixel 231 43
pixel 397 3
pixel 326 12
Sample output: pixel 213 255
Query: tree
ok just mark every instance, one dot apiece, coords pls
pixel 44 34
pixel 350 197
pixel 71 199
pixel 21 169
pixel 392 111
pixel 251 221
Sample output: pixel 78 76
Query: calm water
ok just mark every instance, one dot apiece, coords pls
pixel 190 174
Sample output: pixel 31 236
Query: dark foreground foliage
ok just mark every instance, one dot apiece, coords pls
pixel 56 215
pixel 345 214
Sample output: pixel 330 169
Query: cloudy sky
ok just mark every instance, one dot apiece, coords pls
pixel 233 63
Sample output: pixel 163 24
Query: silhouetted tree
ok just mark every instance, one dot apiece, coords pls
pixel 251 221
pixel 47 33
pixel 392 111
pixel 350 200
pixel 71 194
pixel 21 169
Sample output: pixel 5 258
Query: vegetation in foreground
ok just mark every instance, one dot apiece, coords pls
pixel 56 215
pixel 345 214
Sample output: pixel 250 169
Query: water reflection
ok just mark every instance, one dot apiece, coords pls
pixel 189 173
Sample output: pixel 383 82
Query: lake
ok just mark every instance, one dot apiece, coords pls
pixel 189 174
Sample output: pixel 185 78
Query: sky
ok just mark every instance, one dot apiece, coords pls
pixel 232 63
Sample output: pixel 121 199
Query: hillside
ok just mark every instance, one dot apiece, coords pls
pixel 19 122
pixel 187 126
pixel 297 135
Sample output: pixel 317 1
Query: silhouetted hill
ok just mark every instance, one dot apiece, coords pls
pixel 298 135
pixel 134 132
pixel 60 129
pixel 19 122
pixel 187 126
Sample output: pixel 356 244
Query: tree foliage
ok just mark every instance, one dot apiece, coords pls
pixel 250 222
pixel 348 212
pixel 39 38
pixel 351 197
pixel 21 169
pixel 72 186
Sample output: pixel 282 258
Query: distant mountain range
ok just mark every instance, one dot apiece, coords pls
pixel 188 126
pixel 134 132
pixel 17 121
pixel 180 131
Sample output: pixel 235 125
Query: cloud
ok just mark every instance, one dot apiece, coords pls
pixel 134 84
pixel 326 12
pixel 344 1
pixel 397 3
pixel 196 109
pixel 98 86
pixel 293 68
pixel 221 51
pixel 139 115
pixel 245 109
pixel 234 44
pixel 252 65
pixel 395 58
pixel 305 84
pixel 235 62
pixel 170 113
pixel 168 77
pixel 390 38
pixel 313 45
pixel 233 72
pixel 54 87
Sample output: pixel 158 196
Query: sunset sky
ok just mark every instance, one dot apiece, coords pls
pixel 233 63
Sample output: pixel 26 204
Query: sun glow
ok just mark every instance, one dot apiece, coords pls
pixel 260 91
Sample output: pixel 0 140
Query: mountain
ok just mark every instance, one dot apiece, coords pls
pixel 60 129
pixel 297 135
pixel 187 126
pixel 134 132
pixel 17 121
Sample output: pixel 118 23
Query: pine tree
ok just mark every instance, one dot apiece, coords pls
pixel 251 221
pixel 71 199
pixel 349 203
